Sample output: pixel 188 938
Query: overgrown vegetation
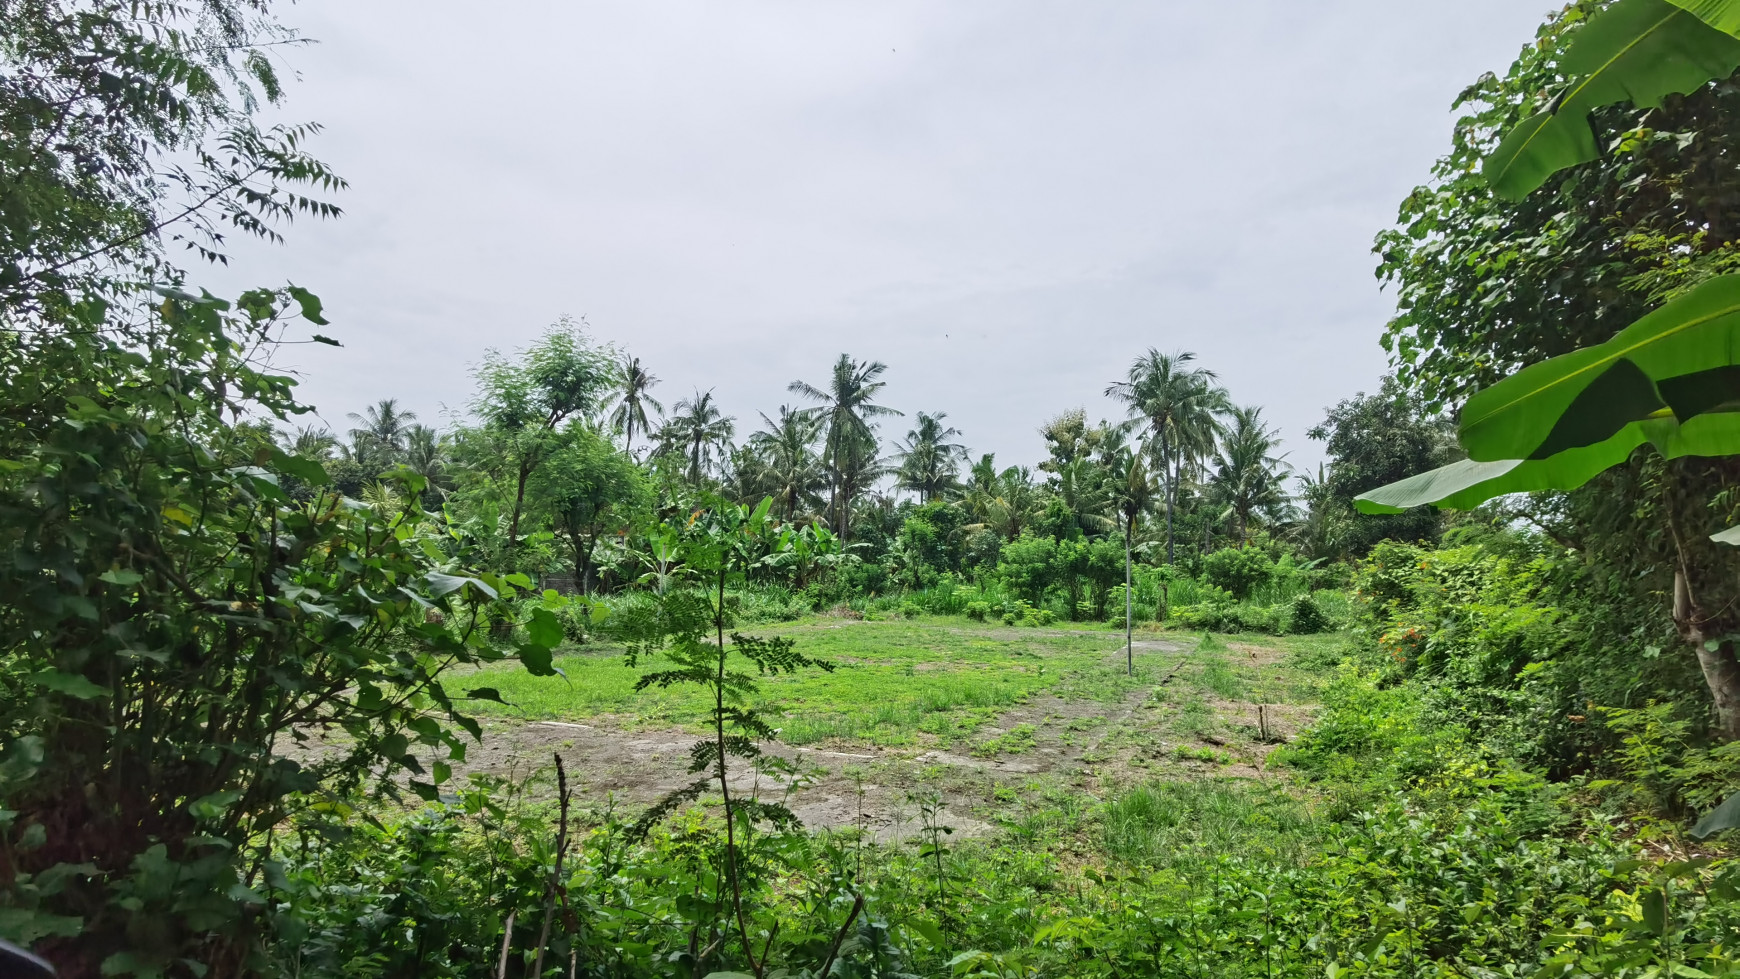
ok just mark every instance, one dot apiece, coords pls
pixel 244 659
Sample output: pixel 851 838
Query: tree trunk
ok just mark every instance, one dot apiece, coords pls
pixel 1171 482
pixel 1710 634
pixel 1715 651
pixel 519 504
pixel 1129 603
pixel 846 516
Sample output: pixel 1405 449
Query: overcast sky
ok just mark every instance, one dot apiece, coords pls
pixel 1006 201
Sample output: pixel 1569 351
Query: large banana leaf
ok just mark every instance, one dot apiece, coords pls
pixel 1683 361
pixel 1467 484
pixel 1636 50
pixel 1723 15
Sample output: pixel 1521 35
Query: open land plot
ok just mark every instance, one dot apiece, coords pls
pixel 1004 726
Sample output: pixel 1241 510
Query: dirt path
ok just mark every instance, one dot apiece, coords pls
pixel 1046 743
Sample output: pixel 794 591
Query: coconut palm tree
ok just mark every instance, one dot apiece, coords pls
pixel 1013 503
pixel 929 465
pixel 850 448
pixel 1322 531
pixel 426 455
pixel 379 438
pixel 792 469
pixel 700 432
pixel 309 442
pixel 1249 479
pixel 632 400
pixel 1182 406
pixel 1082 486
pixel 744 477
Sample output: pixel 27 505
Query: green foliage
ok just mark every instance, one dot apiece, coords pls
pixel 1665 766
pixel 1635 50
pixel 1187 825
pixel 196 620
pixel 1391 892
pixel 1560 422
pixel 525 404
pixel 1238 571
pixel 1374 440
pixel 721 545
pixel 125 129
pixel 589 490
pixel 1232 617
pixel 1308 617
pixel 1374 736
pixel 1027 565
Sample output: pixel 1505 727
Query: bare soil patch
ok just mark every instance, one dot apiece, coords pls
pixel 1089 746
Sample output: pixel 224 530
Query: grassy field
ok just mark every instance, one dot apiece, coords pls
pixel 893 681
pixel 1033 735
pixel 933 680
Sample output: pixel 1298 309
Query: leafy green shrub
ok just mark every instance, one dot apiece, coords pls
pixel 631 613
pixel 580 617
pixel 910 610
pixel 978 610
pixel 1145 607
pixel 1285 582
pixel 1026 565
pixel 1307 618
pixel 768 603
pixel 1194 591
pixel 1237 570
pixel 199 619
pixel 1234 617
pixel 1210 616
pixel 1238 880
pixel 1377 736
pixel 1665 767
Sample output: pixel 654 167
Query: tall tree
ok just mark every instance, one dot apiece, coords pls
pixel 700 432
pixel 1182 406
pixel 1249 478
pixel 1013 501
pixel 590 490
pixel 1373 440
pixel 525 401
pixel 426 455
pixel 1489 283
pixel 309 442
pixel 379 438
pixel 1323 530
pixel 792 468
pixel 632 400
pixel 851 448
pixel 128 135
pixel 929 464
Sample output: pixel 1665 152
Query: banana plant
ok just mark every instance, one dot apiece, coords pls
pixel 1636 50
pixel 1670 380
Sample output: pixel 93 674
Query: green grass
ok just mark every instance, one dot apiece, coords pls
pixel 1179 824
pixel 894 681
pixel 1219 676
pixel 1013 742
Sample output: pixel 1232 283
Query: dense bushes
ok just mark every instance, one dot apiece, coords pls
pixel 1237 570
pixel 1487 882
